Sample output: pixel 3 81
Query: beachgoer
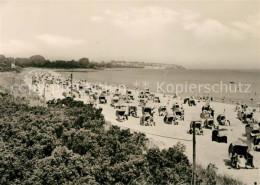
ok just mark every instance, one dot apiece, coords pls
pixel 212 113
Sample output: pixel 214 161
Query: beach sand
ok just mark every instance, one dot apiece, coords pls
pixel 165 135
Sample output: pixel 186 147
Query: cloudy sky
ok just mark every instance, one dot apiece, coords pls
pixel 201 34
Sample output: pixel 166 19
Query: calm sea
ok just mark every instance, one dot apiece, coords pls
pixel 215 83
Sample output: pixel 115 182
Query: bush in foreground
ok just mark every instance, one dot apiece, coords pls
pixel 66 143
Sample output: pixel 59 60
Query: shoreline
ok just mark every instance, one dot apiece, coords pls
pixel 215 99
pixel 250 97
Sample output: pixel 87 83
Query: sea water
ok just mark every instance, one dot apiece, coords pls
pixel 222 85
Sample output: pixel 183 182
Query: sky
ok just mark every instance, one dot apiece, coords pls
pixel 204 34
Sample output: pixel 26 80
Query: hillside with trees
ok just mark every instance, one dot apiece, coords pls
pixel 68 142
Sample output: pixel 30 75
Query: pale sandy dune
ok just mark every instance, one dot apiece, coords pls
pixel 207 151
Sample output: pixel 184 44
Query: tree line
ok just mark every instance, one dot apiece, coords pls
pixel 41 62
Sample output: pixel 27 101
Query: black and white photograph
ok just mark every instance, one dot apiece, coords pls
pixel 130 92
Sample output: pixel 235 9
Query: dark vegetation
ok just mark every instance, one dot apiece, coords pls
pixel 5 65
pixel 40 61
pixel 68 142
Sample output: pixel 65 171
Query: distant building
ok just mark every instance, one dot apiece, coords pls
pixel 13 65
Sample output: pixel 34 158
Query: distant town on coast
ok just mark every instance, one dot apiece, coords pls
pixel 146 65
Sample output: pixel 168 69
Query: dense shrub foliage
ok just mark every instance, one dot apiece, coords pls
pixel 67 143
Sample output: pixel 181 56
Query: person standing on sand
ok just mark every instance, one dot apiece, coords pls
pixel 212 113
pixel 228 122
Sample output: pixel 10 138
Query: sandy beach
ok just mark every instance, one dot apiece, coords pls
pixel 166 135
